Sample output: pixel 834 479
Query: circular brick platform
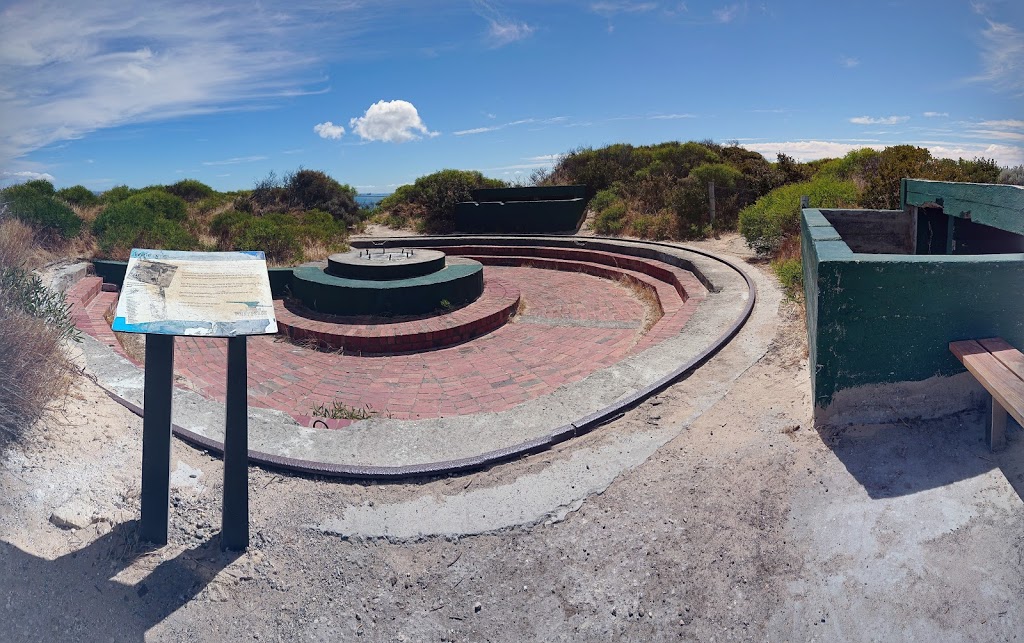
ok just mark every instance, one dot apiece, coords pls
pixel 577 356
pixel 400 334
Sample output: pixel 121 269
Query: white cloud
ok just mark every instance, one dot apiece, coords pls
pixel 936 114
pixel 21 177
pixel 1002 57
pixel 998 134
pixel 65 73
pixel 729 13
pixel 395 121
pixel 609 9
pixel 884 120
pixel 670 117
pixel 505 33
pixel 1006 155
pixel 848 61
pixel 327 129
pixel 236 160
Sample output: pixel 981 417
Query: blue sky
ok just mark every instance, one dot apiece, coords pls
pixel 377 93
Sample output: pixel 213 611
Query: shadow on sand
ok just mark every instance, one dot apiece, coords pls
pixel 903 458
pixel 74 598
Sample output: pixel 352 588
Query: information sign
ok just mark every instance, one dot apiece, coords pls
pixel 214 294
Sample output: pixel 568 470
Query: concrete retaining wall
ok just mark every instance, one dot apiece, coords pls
pixel 888 318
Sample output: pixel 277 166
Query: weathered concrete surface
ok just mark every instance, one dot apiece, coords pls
pixel 381 441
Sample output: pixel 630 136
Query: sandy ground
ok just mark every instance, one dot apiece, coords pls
pixel 747 526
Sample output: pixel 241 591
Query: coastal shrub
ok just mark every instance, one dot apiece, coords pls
pixel 283 237
pixel 117 193
pixel 78 195
pixel 1012 175
pixel 660 226
pixel 776 216
pixel 147 219
pixel 35 204
pixel 611 220
pixel 602 200
pixel 190 190
pixel 431 199
pixel 302 190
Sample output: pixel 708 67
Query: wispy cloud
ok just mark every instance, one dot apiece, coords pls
pixel 1002 56
pixel 935 114
pixel 883 120
pixel 730 12
pixel 848 61
pixel 65 73
pixel 523 121
pixel 609 9
pixel 236 160
pixel 1001 124
pixel 502 30
pixel 396 121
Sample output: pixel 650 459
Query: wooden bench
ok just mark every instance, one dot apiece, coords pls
pixel 998 367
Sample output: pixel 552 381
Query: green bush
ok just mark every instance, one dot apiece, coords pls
pixel 78 195
pixel 611 220
pixel 602 200
pixel 148 219
pixel 432 198
pixel 36 205
pixel 790 273
pixel 117 193
pixel 276 236
pixel 190 189
pixel 771 219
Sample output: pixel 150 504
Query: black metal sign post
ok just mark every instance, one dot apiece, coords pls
pixel 156 438
pixel 167 293
pixel 234 531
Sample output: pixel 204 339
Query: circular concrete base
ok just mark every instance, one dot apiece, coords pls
pixel 384 264
pixel 459 282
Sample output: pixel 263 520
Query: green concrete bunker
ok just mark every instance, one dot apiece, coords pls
pixel 888 290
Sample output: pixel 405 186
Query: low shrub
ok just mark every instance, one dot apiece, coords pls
pixel 611 220
pixel 148 219
pixel 771 219
pixel 190 190
pixel 432 198
pixel 36 205
pixel 78 195
pixel 284 238
pixel 117 193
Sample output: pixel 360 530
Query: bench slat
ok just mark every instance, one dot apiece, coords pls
pixel 1008 355
pixel 1000 381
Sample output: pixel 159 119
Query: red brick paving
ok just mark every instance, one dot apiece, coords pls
pixel 515 363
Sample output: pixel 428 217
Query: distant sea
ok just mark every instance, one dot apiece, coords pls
pixel 370 199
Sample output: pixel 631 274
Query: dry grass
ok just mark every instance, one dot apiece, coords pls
pixel 17 244
pixel 648 297
pixel 35 373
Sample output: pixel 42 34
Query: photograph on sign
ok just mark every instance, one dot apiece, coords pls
pixel 214 294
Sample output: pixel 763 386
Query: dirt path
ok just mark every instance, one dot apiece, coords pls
pixel 747 526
